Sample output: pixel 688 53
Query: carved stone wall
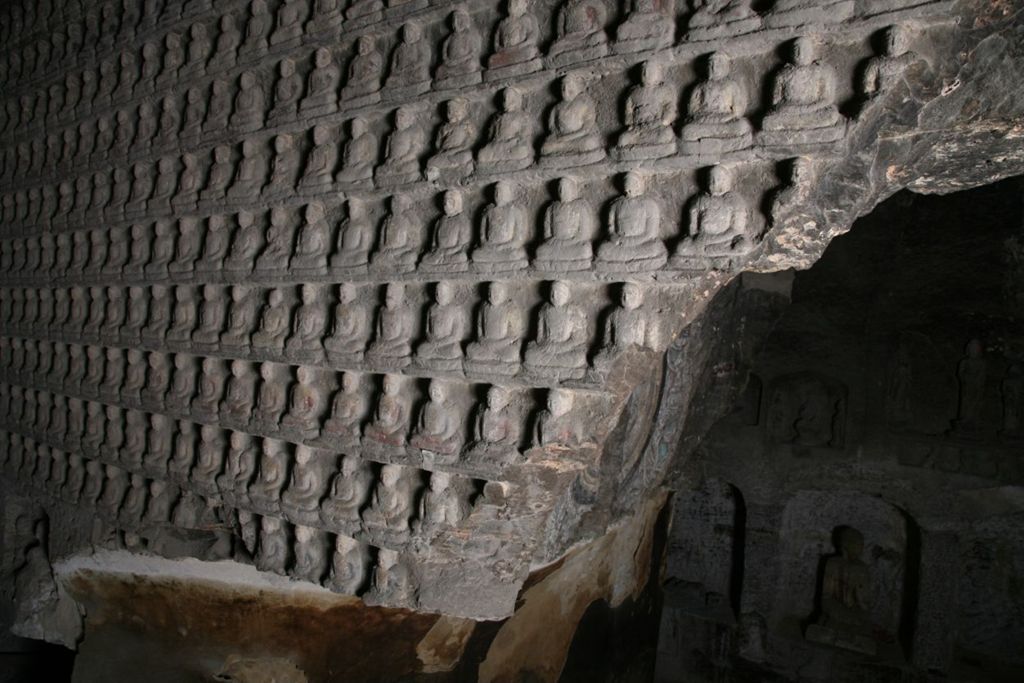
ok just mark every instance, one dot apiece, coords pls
pixel 374 295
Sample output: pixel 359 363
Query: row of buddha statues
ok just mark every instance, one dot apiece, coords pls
pixel 126 498
pixel 461 333
pixel 802 111
pixel 498 240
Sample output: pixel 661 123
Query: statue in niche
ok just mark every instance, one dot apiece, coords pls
pixel 158 508
pixel 159 316
pixel 445 327
pixel 287 91
pixel 322 86
pixel 198 52
pixel 573 136
pixel 844 620
pixel 134 376
pixel 71 490
pixel 557 425
pixel 634 226
pixel 158 377
pixel 409 73
pixel 440 426
pixel 716 123
pixel 452 232
pixel 348 567
pixel 183 384
pixel 265 490
pixel 719 220
pixel 510 137
pixel 399 245
pixel 302 416
pixel 497 429
pixel 272 555
pixel 972 376
pixel 649 25
pixel 504 232
pixel 391 502
pixel 342 427
pixel 318 173
pixel 127 78
pixel 247 243
pixel 142 188
pixel 560 350
pixel 793 195
pixel 173 59
pixel 390 348
pixel 312 243
pixel 359 156
pixel 794 13
pixel 237 403
pixel 216 245
pixel 240 320
pixel 270 400
pixel 93 485
pixel 221 172
pixel 405 146
pixel 344 345
pixel 441 506
pixel 453 158
pixel 326 18
pixel 715 19
pixel 392 582
pixel 460 54
pixel 304 342
pixel 239 469
pixel 228 40
pixel 1012 389
pixel 250 173
pixel 365 71
pixel 257 28
pixel 301 497
pixel 250 105
pixel 183 320
pixel 207 399
pixel 138 312
pixel 579 33
pixel 115 485
pixel 291 16
pixel 499 328
pixel 151 64
pixel 284 169
pixel 806 410
pixel 218 113
pixel 164 188
pixel 124 135
pixel 348 494
pixel 190 182
pixel 885 71
pixel 274 325
pixel 390 417
pixel 107 84
pixel 515 43
pixel 628 326
pixel 803 101
pixel 211 319
pixel 649 116
pixel 195 113
pixel 280 237
pixel 310 556
pixel 355 238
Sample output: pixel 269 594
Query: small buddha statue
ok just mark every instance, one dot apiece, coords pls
pixel 304 343
pixel 278 249
pixel 399 245
pixel 510 138
pixel 649 25
pixel 312 243
pixel 274 325
pixel 560 350
pixel 348 566
pixel 228 40
pixel 497 428
pixel 845 618
pixel 715 19
pixel 211 380
pixel 270 400
pixel 451 237
pixel 440 428
pixel 304 405
pixel 159 315
pixel 183 384
pixel 715 122
pixel 218 113
pixel 190 182
pixel 318 172
pixel 460 54
pixel 183 319
pixel 247 243
pixel 359 156
pixel 310 555
pixel 355 239
pixel 301 497
pixel 348 494
pixel 390 418
pixel 195 113
pixel 627 327
pixel 579 33
pixel 347 337
pixel 321 86
pixel 236 406
pixel 216 245
pixel 504 232
pixel 496 349
pixel 365 71
pixel 210 460
pixel 719 219
pixel 287 91
pixel 445 327
pixel 288 31
pixel 794 194
pixel 240 320
pixel 158 377
pixel 362 12
pixel 391 502
pixel 211 319
pixel 173 59
pixel 250 175
pixel 803 101
pixel 284 169
pixel 557 425
pixel 219 177
pixel 273 554
pixel 257 28
pixel 649 116
pixel 883 72
pixel 342 428
pixel 453 158
pixel 326 18
pixel 441 505
pixel 515 43
pixel 198 52
pixel 392 583
pixel 405 145
pixel 634 226
pixel 409 73
pixel 568 229
pixel 390 348
pixel 187 248
pixel 250 105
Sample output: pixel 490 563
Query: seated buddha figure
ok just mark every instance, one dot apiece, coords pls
pixel 460 54
pixel 347 496
pixel 649 25
pixel 411 60
pixel 354 240
pixel 304 344
pixel 399 245
pixel 716 121
pixel 629 326
pixel 803 101
pixel 579 32
pixel 440 426
pixel 499 329
pixel 358 156
pixel 560 350
pixel 304 403
pixel 391 346
pixel 719 220
pixel 573 136
pixel 390 418
pixel 634 225
pixel 362 86
pixel 568 228
pixel 453 158
pixel 450 243
pixel 515 43
pixel 347 336
pixel 442 349
pixel 391 503
pixel 509 144
pixel 312 243
pixel 405 146
pixel 504 231
pixel 343 426
pixel 321 96
pixel 497 429
pixel 649 116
